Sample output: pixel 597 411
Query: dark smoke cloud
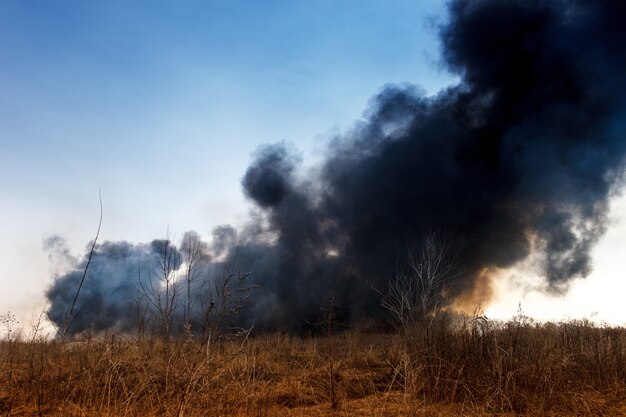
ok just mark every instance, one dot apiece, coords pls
pixel 125 285
pixel 108 296
pixel 520 157
pixel 269 178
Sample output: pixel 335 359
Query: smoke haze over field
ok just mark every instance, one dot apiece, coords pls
pixel 519 158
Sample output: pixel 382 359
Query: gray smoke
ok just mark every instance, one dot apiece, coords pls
pixel 522 155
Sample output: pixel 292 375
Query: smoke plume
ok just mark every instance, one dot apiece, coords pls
pixel 519 158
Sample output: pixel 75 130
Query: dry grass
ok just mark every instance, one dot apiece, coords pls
pixel 479 368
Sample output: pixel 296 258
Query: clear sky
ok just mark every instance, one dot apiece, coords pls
pixel 160 105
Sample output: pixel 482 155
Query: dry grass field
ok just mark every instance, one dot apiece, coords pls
pixel 475 368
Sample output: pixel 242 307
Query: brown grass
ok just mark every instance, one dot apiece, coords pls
pixel 474 369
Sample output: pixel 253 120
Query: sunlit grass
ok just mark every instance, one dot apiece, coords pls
pixel 470 367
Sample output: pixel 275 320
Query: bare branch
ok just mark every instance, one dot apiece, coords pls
pixel 70 315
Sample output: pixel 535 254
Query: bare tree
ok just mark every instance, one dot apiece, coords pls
pixel 417 291
pixel 185 294
pixel 196 261
pixel 161 288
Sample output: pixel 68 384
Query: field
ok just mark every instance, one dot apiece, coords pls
pixel 472 368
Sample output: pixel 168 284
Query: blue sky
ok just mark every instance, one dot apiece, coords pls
pixel 166 100
pixel 161 104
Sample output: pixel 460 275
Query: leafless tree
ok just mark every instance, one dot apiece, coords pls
pixel 161 289
pixel 196 261
pixel 184 293
pixel 416 292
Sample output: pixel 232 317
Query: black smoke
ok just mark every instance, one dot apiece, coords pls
pixel 519 158
pixel 142 285
pixel 107 299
